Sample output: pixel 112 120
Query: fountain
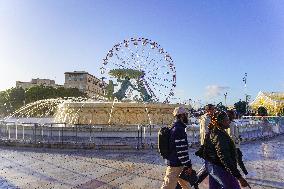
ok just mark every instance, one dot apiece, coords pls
pixel 145 80
pixel 117 113
pixel 141 80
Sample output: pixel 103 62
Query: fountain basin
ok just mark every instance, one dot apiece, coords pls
pixel 115 113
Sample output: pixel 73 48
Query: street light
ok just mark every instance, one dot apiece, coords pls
pixel 245 79
pixel 246 95
pixel 247 101
pixel 225 95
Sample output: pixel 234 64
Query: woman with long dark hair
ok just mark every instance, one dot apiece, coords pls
pixel 221 158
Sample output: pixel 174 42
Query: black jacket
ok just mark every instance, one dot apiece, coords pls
pixel 178 146
pixel 221 150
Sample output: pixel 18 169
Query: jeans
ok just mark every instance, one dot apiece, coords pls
pixel 219 178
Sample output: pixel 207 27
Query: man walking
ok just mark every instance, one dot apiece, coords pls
pixel 234 133
pixel 205 120
pixel 178 158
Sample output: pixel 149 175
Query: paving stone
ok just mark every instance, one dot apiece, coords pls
pixel 29 168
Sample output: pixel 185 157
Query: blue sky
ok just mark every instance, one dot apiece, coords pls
pixel 212 43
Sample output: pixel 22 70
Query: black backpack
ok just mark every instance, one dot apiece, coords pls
pixel 164 142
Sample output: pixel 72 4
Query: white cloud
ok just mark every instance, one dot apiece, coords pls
pixel 213 91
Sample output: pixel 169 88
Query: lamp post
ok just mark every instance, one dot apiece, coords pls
pixel 225 95
pixel 245 85
pixel 102 85
pixel 247 101
pixel 245 79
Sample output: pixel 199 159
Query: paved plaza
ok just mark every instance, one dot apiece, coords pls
pixel 59 168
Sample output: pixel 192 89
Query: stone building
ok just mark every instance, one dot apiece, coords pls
pixel 37 82
pixel 85 82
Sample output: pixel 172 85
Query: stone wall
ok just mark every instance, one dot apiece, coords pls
pixel 119 113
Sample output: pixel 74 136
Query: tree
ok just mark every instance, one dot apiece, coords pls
pixel 14 98
pixel 221 107
pixel 5 104
pixel 10 100
pixel 41 92
pixel 17 97
pixel 69 92
pixel 262 111
pixel 241 107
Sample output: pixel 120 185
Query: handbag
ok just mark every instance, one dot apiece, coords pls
pixel 191 178
pixel 200 152
pixel 202 149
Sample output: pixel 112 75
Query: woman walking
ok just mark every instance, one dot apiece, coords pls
pixel 221 158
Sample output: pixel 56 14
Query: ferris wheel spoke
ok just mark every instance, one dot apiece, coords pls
pixel 157 68
pixel 159 79
pixel 127 57
pixel 119 58
pixel 145 54
pixel 132 55
pixel 126 63
pixel 123 61
pixel 135 61
pixel 148 55
pixel 158 84
pixel 154 64
pixel 162 73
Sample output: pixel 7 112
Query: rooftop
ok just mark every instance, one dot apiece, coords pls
pixel 275 95
pixel 77 72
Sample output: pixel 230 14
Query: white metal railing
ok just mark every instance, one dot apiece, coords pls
pixel 139 136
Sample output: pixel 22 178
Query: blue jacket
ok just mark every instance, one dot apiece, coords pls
pixel 178 146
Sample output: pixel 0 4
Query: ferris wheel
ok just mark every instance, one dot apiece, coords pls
pixel 157 76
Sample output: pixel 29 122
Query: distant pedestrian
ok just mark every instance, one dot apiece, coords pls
pixel 205 121
pixel 178 158
pixel 221 158
pixel 205 125
pixel 234 133
pixel 233 130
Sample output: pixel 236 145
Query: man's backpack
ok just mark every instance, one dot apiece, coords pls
pixel 164 142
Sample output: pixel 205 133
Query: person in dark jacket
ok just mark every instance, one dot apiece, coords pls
pixel 221 158
pixel 178 158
